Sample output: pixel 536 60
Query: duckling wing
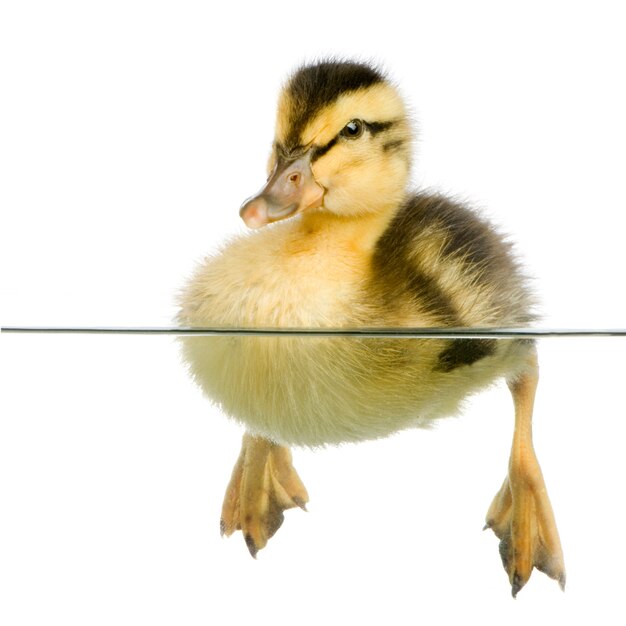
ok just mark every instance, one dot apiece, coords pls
pixel 443 263
pixel 451 265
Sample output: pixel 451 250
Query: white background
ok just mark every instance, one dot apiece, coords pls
pixel 130 134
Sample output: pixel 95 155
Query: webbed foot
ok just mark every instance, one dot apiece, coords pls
pixel 521 517
pixel 521 514
pixel 263 485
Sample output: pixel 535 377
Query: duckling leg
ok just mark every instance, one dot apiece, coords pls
pixel 264 483
pixel 521 514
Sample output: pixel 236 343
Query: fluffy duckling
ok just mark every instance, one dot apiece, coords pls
pixel 339 241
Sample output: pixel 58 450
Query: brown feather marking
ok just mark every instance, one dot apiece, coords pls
pixel 314 87
pixel 464 352
pixel 452 263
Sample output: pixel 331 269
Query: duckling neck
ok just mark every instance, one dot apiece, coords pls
pixel 360 231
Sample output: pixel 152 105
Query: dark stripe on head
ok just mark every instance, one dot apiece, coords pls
pixel 378 127
pixel 373 127
pixel 320 151
pixel 391 146
pixel 314 87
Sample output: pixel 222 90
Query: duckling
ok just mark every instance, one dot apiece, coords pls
pixel 338 240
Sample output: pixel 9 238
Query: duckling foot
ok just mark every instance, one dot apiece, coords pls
pixel 263 485
pixel 521 517
pixel 521 514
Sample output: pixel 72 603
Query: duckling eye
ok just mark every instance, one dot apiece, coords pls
pixel 353 129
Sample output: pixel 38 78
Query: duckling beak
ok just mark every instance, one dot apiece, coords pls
pixel 290 188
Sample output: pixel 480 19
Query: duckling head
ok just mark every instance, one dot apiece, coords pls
pixel 342 145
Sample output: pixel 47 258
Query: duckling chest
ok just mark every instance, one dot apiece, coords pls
pixel 280 281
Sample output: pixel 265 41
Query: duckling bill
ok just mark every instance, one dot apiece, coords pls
pixel 291 188
pixel 338 239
